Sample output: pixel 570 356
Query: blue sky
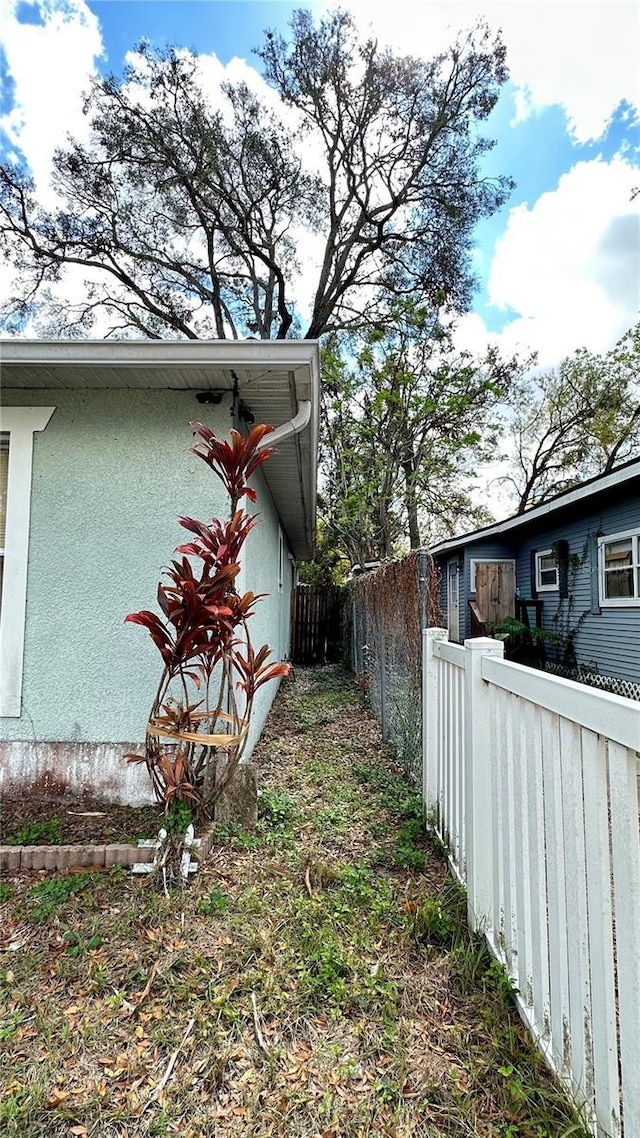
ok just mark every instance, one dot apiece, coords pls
pixel 559 267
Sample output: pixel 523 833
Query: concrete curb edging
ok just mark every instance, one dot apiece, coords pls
pixel 60 858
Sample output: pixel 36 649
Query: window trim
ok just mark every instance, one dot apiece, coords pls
pixel 20 423
pixel 620 602
pixel 540 588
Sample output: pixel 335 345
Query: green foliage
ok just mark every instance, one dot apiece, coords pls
pixel 566 625
pixel 575 422
pixel 401 427
pixel 329 565
pixel 5 892
pixel 178 819
pixel 339 951
pixel 79 945
pixel 214 905
pixel 395 794
pixel 408 854
pixel 440 920
pixel 236 835
pixel 11 1024
pixel 276 808
pixel 523 644
pixel 50 895
pixel 35 834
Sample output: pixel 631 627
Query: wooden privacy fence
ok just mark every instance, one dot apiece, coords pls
pixel 316 636
pixel 531 781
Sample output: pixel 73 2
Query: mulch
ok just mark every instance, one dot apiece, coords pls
pixel 79 821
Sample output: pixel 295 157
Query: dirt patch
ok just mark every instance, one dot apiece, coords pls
pixel 37 821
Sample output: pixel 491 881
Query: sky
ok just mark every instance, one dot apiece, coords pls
pixel 558 267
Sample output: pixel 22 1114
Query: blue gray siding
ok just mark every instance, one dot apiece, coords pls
pixel 483 550
pixel 607 639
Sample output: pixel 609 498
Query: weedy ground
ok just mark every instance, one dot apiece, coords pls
pixel 317 980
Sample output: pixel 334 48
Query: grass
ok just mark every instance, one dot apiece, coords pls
pixel 317 980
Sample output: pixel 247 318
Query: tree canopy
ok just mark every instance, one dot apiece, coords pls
pixel 405 418
pixel 190 213
pixel 574 422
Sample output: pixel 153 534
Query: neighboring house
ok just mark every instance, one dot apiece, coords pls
pixel 575 558
pixel 95 470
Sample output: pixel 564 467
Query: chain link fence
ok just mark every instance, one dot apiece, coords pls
pixel 384 612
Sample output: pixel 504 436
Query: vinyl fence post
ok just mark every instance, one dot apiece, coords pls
pixel 430 788
pixel 478 783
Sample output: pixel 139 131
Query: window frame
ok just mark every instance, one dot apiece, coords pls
pixel 475 561
pixel 620 602
pixel 20 423
pixel 540 588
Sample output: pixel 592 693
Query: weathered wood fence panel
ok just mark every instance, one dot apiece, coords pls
pixel 315 628
pixel 532 783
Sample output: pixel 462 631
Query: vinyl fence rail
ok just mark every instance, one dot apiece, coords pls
pixel 531 782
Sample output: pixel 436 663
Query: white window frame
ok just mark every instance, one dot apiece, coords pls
pixel 475 561
pixel 540 588
pixel 20 423
pixel 620 602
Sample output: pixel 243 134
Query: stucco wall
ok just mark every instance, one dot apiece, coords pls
pixel 270 625
pixel 112 473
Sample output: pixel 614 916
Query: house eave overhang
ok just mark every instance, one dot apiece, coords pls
pixel 580 494
pixel 273 377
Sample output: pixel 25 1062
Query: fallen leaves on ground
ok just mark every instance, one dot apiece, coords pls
pixel 283 993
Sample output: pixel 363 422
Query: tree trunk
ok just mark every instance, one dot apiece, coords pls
pixel 411 505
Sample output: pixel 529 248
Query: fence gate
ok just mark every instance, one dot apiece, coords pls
pixel 315 633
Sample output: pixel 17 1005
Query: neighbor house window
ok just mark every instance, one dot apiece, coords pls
pixel 619 569
pixel 17 426
pixel 547 577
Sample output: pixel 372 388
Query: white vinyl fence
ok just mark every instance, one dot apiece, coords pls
pixel 531 781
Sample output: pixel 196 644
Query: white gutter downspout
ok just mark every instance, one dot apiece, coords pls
pixel 287 430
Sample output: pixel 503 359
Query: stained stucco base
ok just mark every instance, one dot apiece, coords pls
pixel 76 770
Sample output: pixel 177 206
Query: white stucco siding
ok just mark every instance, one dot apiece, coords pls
pixel 111 475
pixel 271 623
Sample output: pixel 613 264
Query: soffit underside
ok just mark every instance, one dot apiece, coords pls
pixel 271 395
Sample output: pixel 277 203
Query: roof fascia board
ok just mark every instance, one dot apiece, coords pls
pixel 161 353
pixel 607 482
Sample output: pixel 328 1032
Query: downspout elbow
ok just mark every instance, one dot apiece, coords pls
pixel 287 430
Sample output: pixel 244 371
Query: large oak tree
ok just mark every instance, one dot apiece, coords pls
pixel 191 214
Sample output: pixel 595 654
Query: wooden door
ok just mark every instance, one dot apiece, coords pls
pixel 495 590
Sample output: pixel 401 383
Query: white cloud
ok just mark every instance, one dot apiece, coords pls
pixel 51 64
pixel 570 264
pixel 579 54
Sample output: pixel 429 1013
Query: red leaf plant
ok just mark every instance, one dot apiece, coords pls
pixel 193 747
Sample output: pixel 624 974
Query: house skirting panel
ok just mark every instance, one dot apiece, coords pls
pixel 74 770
